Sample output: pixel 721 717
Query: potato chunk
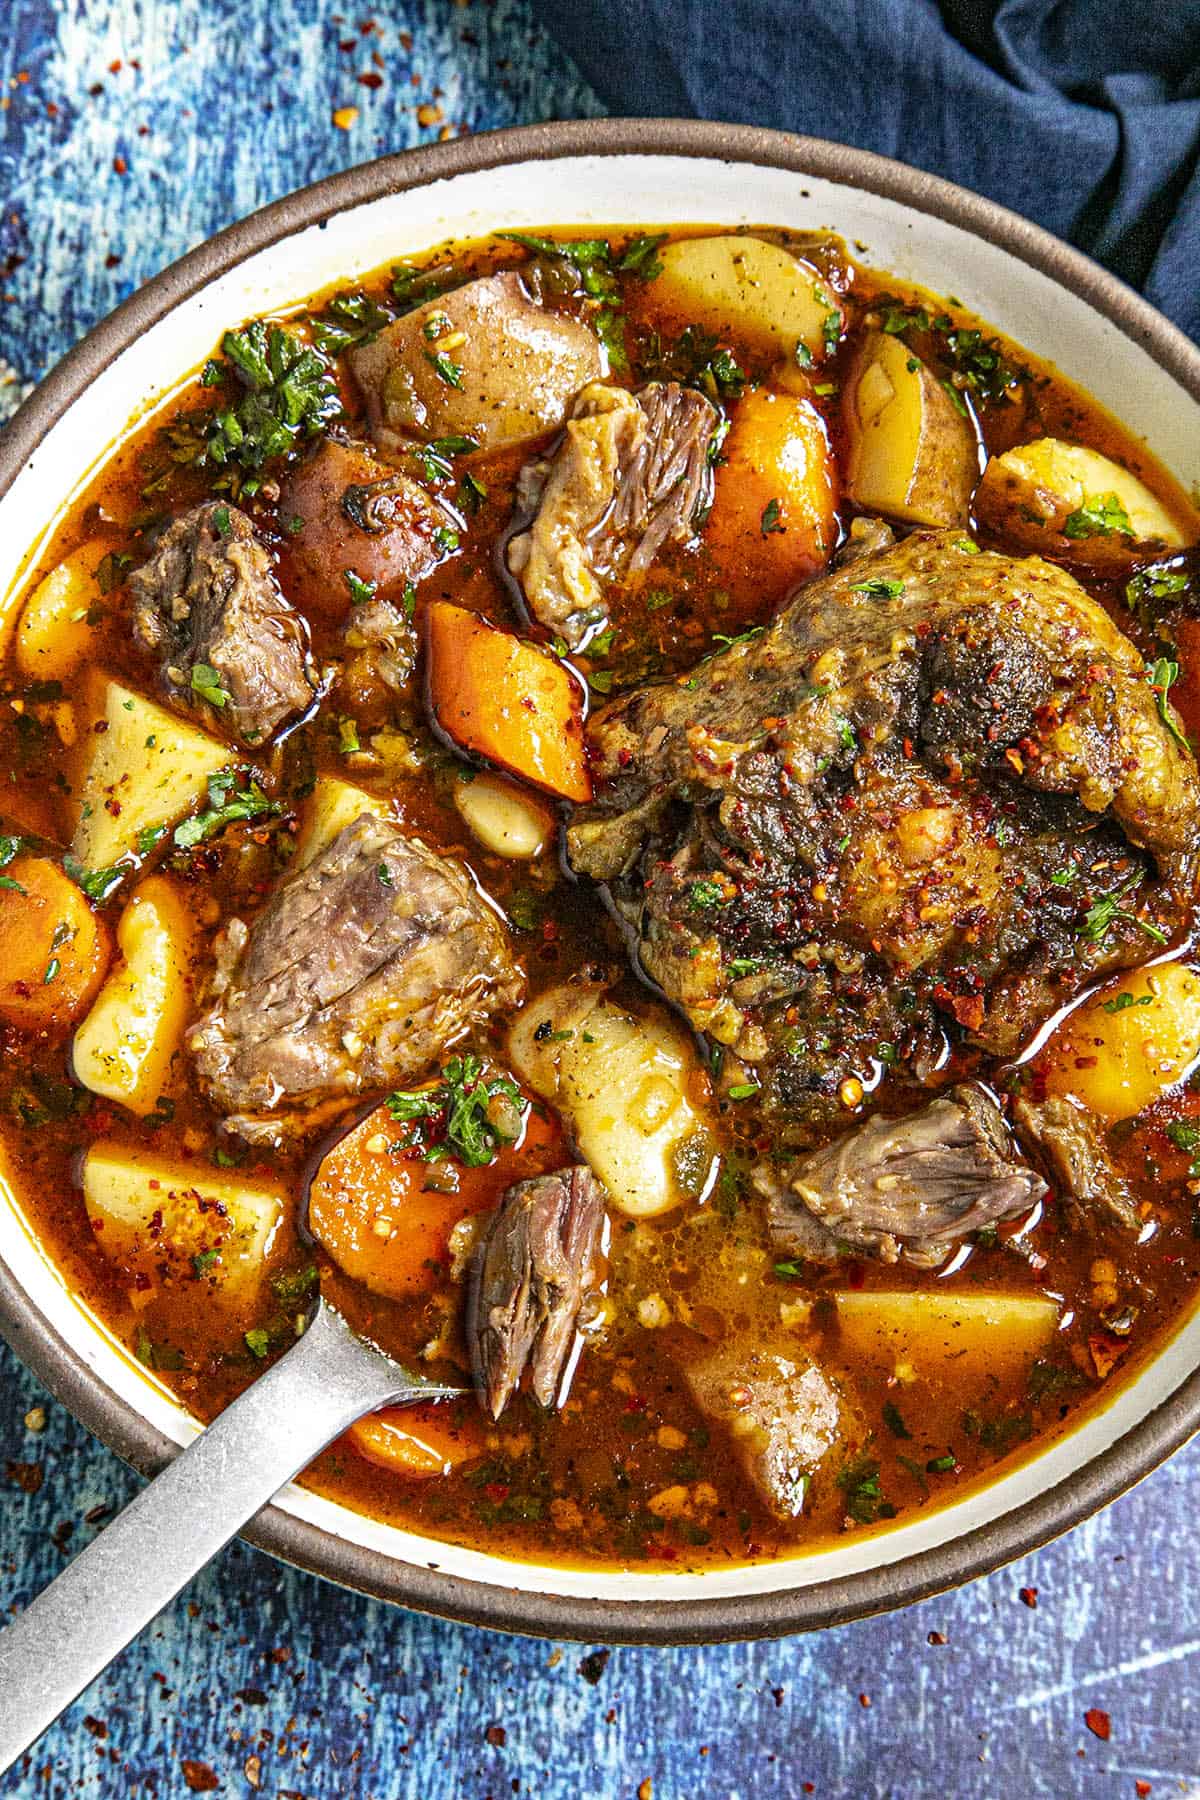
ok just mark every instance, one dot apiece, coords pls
pixel 334 805
pixel 174 1222
pixel 58 623
pixel 144 770
pixel 1065 500
pixel 769 297
pixel 912 453
pixel 933 1332
pixel 124 1048
pixel 621 1084
pixel 1127 1045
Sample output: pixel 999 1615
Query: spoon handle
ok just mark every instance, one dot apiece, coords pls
pixel 138 1563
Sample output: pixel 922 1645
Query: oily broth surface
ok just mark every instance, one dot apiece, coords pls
pixel 577 1488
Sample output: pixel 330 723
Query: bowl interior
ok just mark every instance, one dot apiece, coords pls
pixel 1023 300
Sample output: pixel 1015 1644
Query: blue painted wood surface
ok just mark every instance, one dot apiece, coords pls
pixel 278 1683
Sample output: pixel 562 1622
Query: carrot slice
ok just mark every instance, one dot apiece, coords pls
pixel 373 1206
pixel 772 522
pixel 53 949
pixel 419 1441
pixel 507 700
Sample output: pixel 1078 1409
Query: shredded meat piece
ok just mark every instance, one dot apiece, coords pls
pixel 629 476
pixel 532 1273
pixel 1071 1143
pixel 907 1187
pixel 207 602
pixel 364 965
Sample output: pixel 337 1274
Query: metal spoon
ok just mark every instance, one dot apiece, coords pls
pixel 127 1575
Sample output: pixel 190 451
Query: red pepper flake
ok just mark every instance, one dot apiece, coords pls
pixel 936 1638
pixel 51 110
pixel 347 44
pixel 1142 1788
pixel 593 1665
pixel 97 1727
pixel 200 1777
pixel 28 1476
pixel 497 1736
pixel 864 1699
pixel 1098 1723
pixel 1029 1597
pixel 121 167
pixel 114 68
pixel 370 80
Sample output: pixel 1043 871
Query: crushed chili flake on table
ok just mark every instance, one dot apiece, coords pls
pixel 1098 1723
pixel 201 1777
pixel 1029 1596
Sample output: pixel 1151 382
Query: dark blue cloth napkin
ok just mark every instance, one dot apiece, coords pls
pixel 1082 114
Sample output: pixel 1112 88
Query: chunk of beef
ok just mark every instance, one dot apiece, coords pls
pixel 357 514
pixel 233 649
pixel 628 477
pixel 511 374
pixel 782 1413
pixel 884 822
pixel 533 1271
pixel 907 1187
pixel 1070 1141
pixel 382 643
pixel 360 970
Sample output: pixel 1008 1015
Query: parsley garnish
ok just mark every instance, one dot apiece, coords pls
pixel 879 588
pixel 205 1260
pixel 744 1090
pixel 1122 1002
pixel 859 1481
pixel 459 1106
pixel 206 682
pixel 1107 911
pixel 258 1342
pixel 221 521
pixel 288 394
pixel 894 1420
pixel 445 539
pixel 227 803
pixel 770 519
pixel 1163 677
pixel 110 571
pixel 97 884
pixel 350 318
pixel 447 371
pixel 1099 516
pixel 703 894
pixel 360 591
pixel 348 742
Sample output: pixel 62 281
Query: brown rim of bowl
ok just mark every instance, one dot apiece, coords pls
pixel 427 1588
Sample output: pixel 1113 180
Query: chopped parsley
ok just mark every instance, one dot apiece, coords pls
pixel 360 591
pixel 348 742
pixel 206 682
pixel 97 884
pixel 894 1420
pixel 459 1113
pixel 742 965
pixel 350 318
pixel 859 1481
pixel 221 521
pixel 227 803
pixel 878 588
pixel 258 1342
pixel 770 520
pixel 744 1090
pixel 703 894
pixel 446 539
pixel 446 370
pixel 284 393
pixel 1099 516
pixel 592 260
pixel 695 359
pixel 205 1260
pixel 1122 1002
pixel 1163 677
pixel 1107 911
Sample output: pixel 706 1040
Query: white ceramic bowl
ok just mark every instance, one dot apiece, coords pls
pixel 607 173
